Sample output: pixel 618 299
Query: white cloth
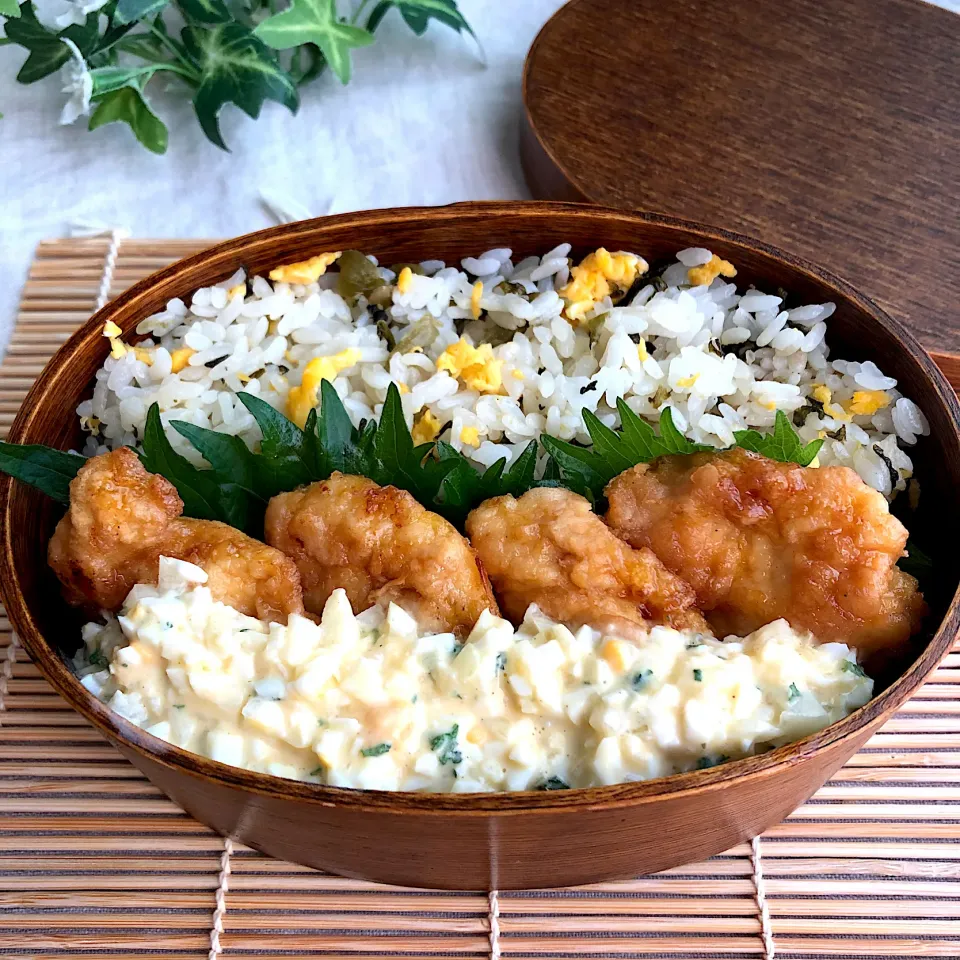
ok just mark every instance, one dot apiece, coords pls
pixel 423 121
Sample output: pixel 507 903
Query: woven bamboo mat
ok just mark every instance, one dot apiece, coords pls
pixel 95 862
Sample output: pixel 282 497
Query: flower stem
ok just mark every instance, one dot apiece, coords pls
pixel 182 66
pixel 359 11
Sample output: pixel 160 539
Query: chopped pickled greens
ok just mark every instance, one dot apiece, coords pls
pixel 357 275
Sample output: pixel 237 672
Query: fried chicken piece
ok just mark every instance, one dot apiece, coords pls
pixel 551 549
pixel 122 519
pixel 380 546
pixel 759 540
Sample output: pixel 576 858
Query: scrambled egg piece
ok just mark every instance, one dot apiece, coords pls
pixel 426 428
pixel 403 280
pixel 301 400
pixel 706 273
pixel 307 271
pixel 865 403
pixel 180 358
pixel 240 290
pixel 475 296
pixel 685 382
pixel 600 274
pixel 823 394
pixel 144 355
pixel 112 332
pixel 470 436
pixel 475 366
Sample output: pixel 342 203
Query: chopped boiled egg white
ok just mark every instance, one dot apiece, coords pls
pixel 600 274
pixel 301 400
pixel 707 272
pixel 306 271
pixel 476 367
pixel 372 701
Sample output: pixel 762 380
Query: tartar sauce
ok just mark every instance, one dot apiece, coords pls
pixel 368 700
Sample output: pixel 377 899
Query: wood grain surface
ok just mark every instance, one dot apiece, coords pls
pixel 831 129
pixel 510 841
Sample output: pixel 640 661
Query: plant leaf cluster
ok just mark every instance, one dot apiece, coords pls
pixel 239 52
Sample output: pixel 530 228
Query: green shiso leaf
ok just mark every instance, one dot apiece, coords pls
pixel 238 484
pixel 49 470
pixel 917 563
pixel 784 444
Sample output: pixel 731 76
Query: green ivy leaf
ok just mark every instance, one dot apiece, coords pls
pixel 49 470
pixel 315 21
pixel 417 14
pixel 784 444
pixel 110 79
pixel 205 11
pixel 125 104
pixel 130 11
pixel 236 67
pixel 48 53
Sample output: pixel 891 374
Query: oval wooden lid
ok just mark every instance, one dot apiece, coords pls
pixel 830 129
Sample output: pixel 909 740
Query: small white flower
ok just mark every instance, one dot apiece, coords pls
pixel 60 14
pixel 78 83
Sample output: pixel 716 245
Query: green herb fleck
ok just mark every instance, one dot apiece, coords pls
pixel 179 706
pixel 97 658
pixel 793 691
pixel 697 674
pixel 554 783
pixel 378 751
pixel 445 744
pixel 501 663
pixel 316 771
pixel 850 666
pixel 640 679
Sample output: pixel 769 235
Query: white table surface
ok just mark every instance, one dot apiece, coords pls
pixel 422 122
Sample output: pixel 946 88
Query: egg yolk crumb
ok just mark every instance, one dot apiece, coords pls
pixel 470 436
pixel 306 271
pixel 426 428
pixel 600 274
pixel 404 279
pixel 180 358
pixel 706 273
pixel 475 296
pixel 865 403
pixel 301 400
pixel 475 366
